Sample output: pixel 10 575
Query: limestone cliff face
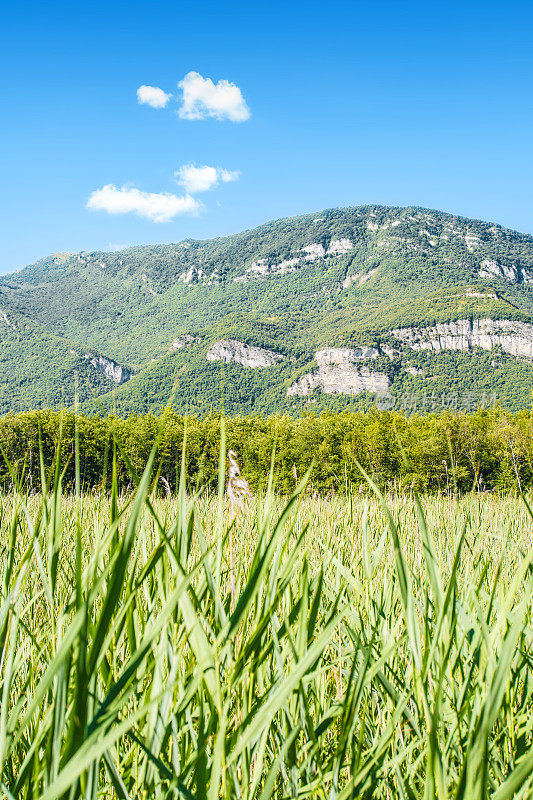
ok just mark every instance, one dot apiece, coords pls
pixel 339 246
pixel 315 251
pixel 343 355
pixel 231 350
pixel 509 272
pixel 115 372
pixel 513 337
pixel 305 385
pixel 338 373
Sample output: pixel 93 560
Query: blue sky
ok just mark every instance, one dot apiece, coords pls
pixel 349 103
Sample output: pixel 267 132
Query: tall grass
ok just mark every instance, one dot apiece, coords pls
pixel 341 648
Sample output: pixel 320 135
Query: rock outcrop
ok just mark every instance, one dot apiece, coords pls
pixel 185 340
pixel 5 319
pixel 359 278
pixel 115 372
pixel 344 355
pixel 339 246
pixel 192 275
pixel 512 336
pixel 249 356
pixel 349 279
pixel 389 351
pixel 263 267
pixel 338 373
pixel 509 272
pixel 313 252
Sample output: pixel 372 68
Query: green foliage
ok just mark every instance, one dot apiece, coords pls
pixel 449 380
pixel 414 267
pixel 341 649
pixel 41 369
pixel 487 450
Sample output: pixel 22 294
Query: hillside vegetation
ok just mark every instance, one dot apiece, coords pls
pixel 340 279
pixel 440 453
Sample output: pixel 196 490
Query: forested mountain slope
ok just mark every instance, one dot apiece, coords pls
pixel 341 304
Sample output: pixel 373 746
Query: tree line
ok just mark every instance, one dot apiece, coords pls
pixel 488 450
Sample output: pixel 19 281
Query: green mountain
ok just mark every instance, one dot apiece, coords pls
pixel 426 309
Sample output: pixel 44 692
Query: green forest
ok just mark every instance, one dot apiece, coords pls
pixel 447 380
pixel 374 269
pixel 488 450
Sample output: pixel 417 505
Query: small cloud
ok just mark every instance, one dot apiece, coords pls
pixel 128 200
pixel 201 179
pixel 201 98
pixel 229 175
pixel 116 248
pixel 152 96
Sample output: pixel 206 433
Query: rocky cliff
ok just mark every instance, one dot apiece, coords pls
pixel 292 287
pixel 512 336
pixel 115 372
pixel 338 373
pixel 249 356
pixel 509 272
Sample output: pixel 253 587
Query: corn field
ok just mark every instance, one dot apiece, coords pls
pixel 182 647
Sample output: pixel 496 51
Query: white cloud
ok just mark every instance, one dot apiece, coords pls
pixel 202 98
pixel 229 175
pixel 201 179
pixel 153 96
pixel 128 200
pixel 116 248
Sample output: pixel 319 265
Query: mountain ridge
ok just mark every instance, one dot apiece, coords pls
pixel 338 278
